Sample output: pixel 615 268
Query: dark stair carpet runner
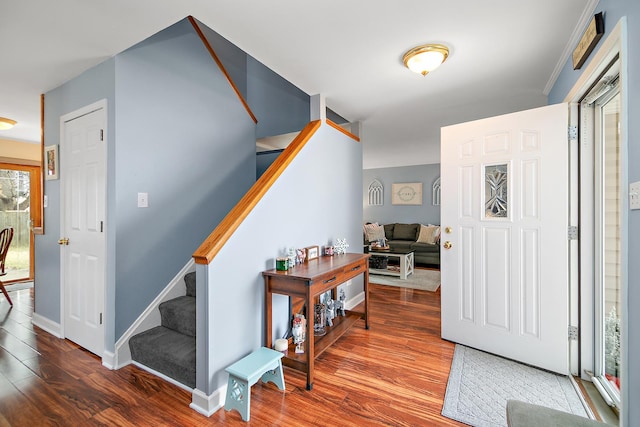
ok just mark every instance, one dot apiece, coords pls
pixel 171 347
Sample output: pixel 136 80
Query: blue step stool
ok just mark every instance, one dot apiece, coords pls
pixel 263 363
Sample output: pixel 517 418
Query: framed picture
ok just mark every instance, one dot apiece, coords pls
pixel 51 162
pixel 407 193
pixel 313 252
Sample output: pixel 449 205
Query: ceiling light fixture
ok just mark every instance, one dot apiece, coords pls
pixel 426 58
pixel 6 123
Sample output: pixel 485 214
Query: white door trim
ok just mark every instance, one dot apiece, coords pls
pixel 102 104
pixel 614 44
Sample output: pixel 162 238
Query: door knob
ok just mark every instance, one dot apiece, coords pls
pixel 447 245
pixel 448 230
pixel 64 241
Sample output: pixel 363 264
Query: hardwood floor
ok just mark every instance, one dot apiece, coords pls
pixel 393 374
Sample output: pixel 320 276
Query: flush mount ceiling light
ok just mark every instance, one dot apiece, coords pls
pixel 6 123
pixel 426 58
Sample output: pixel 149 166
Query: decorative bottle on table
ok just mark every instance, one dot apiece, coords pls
pixel 319 320
pixel 298 330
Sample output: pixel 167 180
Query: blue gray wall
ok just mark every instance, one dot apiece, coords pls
pixel 613 11
pixel 173 107
pixel 279 106
pixel 183 137
pixel 426 213
pixel 305 207
pixel 264 160
pixel 92 86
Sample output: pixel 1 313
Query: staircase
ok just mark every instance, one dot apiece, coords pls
pixel 171 347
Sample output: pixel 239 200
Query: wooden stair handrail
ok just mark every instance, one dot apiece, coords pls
pixel 221 234
pixel 207 45
pixel 341 129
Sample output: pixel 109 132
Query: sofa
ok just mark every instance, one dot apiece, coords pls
pixel 424 240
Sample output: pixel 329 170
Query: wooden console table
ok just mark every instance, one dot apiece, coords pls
pixel 308 281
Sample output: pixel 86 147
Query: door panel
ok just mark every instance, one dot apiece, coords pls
pixel 497 293
pixel 83 274
pixel 505 199
pixel 530 283
pixel 467 276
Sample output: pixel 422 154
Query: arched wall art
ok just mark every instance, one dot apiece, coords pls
pixel 376 193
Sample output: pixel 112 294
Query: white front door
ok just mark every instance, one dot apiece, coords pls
pixel 83 213
pixel 504 211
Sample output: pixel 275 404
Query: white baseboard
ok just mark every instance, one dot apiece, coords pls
pixel 161 375
pixel 108 360
pixel 150 317
pixel 208 405
pixel 349 304
pixel 47 325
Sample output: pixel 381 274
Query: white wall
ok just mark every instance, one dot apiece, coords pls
pixel 316 200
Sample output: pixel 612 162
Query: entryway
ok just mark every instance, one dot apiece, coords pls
pixel 478 270
pixel 19 188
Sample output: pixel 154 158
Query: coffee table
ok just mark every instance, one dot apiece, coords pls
pixel 405 256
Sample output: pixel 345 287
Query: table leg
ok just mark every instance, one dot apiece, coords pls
pixel 410 264
pixel 366 297
pixel 310 341
pixel 268 316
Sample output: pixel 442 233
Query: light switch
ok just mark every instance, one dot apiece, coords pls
pixel 143 200
pixel 634 195
pixel 45 203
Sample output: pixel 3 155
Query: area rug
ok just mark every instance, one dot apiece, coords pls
pixel 428 280
pixel 480 384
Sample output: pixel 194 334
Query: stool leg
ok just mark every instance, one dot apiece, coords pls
pixel 238 397
pixel 275 376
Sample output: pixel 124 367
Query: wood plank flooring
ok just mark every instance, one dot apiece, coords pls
pixel 394 374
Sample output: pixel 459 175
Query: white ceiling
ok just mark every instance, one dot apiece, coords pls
pixel 504 56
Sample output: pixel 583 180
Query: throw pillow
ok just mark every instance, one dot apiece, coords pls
pixel 427 234
pixel 374 232
pixel 368 224
pixel 436 233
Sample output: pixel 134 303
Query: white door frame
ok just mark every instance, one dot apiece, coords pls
pixel 615 44
pixel 102 104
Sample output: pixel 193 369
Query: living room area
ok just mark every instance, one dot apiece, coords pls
pixel 401 215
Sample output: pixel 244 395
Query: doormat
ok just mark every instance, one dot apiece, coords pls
pixel 480 384
pixel 428 280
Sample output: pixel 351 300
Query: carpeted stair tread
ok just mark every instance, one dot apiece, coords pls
pixel 179 314
pixel 190 281
pixel 166 351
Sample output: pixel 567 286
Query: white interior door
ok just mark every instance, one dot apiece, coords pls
pixel 504 211
pixel 83 214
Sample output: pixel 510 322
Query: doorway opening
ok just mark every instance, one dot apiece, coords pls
pixel 19 187
pixel 603 105
pixel 601 94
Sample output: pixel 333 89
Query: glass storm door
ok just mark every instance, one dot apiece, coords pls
pixel 608 248
pixel 15 211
